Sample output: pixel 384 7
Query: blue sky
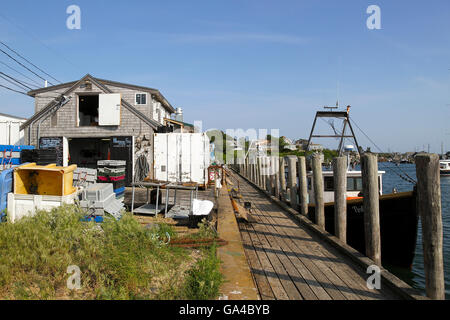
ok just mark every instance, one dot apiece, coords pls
pixel 255 64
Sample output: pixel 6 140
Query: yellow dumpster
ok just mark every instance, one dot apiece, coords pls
pixel 44 180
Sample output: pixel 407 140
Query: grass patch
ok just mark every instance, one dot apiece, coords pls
pixel 118 260
pixel 204 280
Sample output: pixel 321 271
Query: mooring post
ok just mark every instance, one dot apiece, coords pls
pixel 251 169
pixel 371 194
pixel 318 190
pixel 276 176
pixel 263 173
pixel 282 177
pixel 269 179
pixel 429 208
pixel 255 172
pixel 292 180
pixel 340 198
pixel 302 186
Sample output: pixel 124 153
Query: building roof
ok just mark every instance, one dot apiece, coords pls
pixel 158 95
pixel 180 123
pixel 50 107
pixel 10 116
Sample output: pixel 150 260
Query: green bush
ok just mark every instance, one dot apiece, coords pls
pixel 117 259
pixel 204 279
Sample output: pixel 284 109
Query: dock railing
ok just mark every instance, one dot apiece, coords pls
pixel 268 173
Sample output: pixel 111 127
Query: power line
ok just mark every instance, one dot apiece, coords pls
pixel 15 80
pixel 23 75
pixel 13 83
pixel 28 61
pixel 13 90
pixel 32 36
pixel 24 66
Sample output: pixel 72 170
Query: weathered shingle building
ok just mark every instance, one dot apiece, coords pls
pixel 94 119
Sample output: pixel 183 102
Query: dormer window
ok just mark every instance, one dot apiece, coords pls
pixel 141 98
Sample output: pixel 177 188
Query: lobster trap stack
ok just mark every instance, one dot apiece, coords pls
pixel 113 171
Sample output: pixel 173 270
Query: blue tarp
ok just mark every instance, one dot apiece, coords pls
pixel 6 178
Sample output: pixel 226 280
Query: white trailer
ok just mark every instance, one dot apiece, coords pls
pixel 181 157
pixel 10 133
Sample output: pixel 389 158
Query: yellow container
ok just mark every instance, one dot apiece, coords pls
pixel 44 180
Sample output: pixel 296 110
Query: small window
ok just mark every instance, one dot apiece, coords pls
pixel 329 183
pixel 141 98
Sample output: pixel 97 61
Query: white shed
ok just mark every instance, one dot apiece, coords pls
pixel 10 133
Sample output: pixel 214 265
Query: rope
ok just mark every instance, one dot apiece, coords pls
pixel 141 168
pixel 406 177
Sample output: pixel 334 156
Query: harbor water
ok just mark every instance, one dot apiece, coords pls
pixel 416 277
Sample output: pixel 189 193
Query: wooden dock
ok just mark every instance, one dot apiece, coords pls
pixel 290 262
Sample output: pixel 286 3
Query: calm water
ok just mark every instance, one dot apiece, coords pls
pixel 416 278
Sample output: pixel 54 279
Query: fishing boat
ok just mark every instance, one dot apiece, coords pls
pixel 398 215
pixel 444 167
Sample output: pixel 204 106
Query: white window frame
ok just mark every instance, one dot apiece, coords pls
pixel 141 104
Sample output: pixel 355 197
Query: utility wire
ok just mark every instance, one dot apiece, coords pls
pixel 19 55
pixel 15 80
pixel 13 83
pixel 23 75
pixel 24 66
pixel 33 37
pixel 408 178
pixel 24 93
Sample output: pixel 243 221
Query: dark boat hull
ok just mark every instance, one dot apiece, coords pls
pixel 398 227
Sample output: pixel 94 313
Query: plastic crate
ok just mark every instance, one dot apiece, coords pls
pixel 20 205
pixel 47 180
pixel 6 186
pixel 98 192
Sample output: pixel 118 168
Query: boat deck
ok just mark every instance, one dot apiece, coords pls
pixel 290 262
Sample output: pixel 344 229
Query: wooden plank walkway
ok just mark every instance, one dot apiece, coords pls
pixel 289 262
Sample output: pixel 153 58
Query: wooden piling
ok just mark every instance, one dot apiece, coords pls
pixel 340 198
pixel 292 180
pixel 318 190
pixel 429 208
pixel 371 204
pixel 302 185
pixel 269 178
pixel 276 176
pixel 258 172
pixel 264 172
pixel 282 178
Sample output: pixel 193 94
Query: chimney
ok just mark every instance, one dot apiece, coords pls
pixel 179 114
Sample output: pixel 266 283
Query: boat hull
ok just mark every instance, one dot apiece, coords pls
pixel 398 227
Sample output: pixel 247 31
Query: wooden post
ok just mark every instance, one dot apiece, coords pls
pixel 371 204
pixel 292 180
pixel 318 191
pixel 264 172
pixel 269 178
pixel 302 186
pixel 246 168
pixel 282 177
pixel 276 176
pixel 255 180
pixel 340 198
pixel 258 171
pixel 429 208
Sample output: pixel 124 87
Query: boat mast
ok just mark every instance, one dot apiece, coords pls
pixel 330 113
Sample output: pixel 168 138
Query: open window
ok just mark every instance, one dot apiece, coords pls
pixel 88 110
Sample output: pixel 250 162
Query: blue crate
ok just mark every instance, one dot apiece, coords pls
pixel 6 186
pixel 8 161
pixel 15 148
pixel 97 219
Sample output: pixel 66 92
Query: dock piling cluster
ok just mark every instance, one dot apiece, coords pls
pixel 269 174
